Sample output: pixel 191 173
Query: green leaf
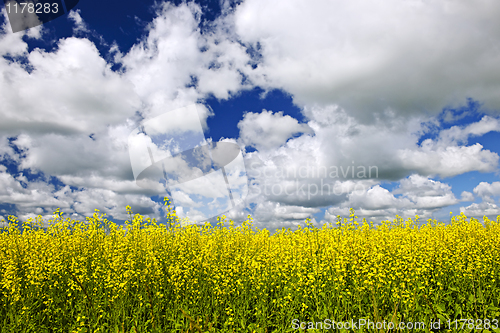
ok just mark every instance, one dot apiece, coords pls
pixel 480 296
pixel 458 311
pixel 441 318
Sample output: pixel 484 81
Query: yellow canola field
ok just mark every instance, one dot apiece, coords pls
pixel 148 277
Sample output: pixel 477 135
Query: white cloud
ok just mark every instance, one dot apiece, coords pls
pixel 174 65
pixel 466 196
pixel 488 207
pixel 273 216
pixel 459 135
pixel 266 130
pixel 5 149
pixel 375 198
pixel 12 44
pixel 448 161
pixel 426 193
pixel 74 94
pixel 486 190
pixel 42 198
pixel 80 156
pixel 183 199
pixel 417 196
pixel 478 210
pixel 80 26
pixel 410 56
pixel 350 159
pixel 69 91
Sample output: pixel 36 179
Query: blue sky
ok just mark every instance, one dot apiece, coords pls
pixel 408 88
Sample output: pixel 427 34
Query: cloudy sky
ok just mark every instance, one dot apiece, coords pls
pixel 389 107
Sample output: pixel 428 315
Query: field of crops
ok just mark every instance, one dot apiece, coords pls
pixel 146 277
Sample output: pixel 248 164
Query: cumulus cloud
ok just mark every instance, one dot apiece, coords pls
pixel 33 198
pixel 175 65
pixel 266 130
pixel 466 196
pixel 342 162
pixel 70 115
pixel 76 157
pixel 449 161
pixel 80 26
pixel 426 193
pixel 478 210
pixel 415 195
pixel 274 216
pixel 487 207
pixel 69 91
pixel 459 135
pixel 486 190
pixel 408 56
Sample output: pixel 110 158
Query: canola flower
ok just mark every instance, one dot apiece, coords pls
pixel 96 276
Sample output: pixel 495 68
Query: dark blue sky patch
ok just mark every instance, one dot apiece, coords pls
pixel 462 116
pixel 228 113
pixel 13 166
pixel 33 177
pixel 6 208
pixel 250 149
pixel 10 164
pixel 468 181
pixel 193 83
pixel 21 61
pixel 15 147
pixel 58 185
pixel 490 141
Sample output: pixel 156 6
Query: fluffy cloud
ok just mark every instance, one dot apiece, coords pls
pixel 478 210
pixel 266 130
pixel 274 216
pixel 487 190
pixel 409 56
pixel 33 198
pixel 338 143
pixel 69 115
pixel 341 162
pixel 80 25
pixel 69 91
pixel 459 135
pixel 415 195
pixel 426 193
pixel 449 161
pixel 466 196
pixel 175 65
